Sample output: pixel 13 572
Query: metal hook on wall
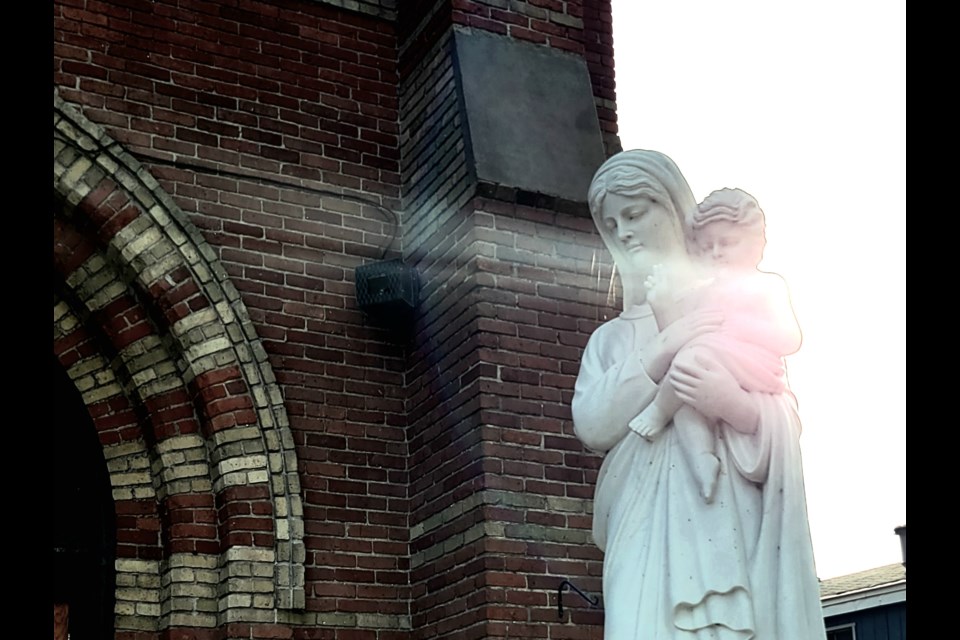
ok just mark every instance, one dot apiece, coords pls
pixel 594 602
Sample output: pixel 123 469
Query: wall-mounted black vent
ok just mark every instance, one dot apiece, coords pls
pixel 388 289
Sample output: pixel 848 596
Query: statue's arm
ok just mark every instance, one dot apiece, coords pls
pixel 617 380
pixel 704 384
pixel 658 352
pixel 611 389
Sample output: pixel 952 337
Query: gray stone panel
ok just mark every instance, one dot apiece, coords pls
pixel 531 115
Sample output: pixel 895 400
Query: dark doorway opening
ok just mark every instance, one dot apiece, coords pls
pixel 84 518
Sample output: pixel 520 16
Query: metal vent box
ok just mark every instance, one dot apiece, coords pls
pixel 388 286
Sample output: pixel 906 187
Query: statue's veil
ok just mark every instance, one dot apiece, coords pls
pixel 634 173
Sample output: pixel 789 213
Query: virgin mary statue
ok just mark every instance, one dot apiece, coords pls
pixel 676 567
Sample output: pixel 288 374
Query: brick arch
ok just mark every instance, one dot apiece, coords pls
pixel 166 327
pixel 139 550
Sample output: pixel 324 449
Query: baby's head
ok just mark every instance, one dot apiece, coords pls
pixel 728 229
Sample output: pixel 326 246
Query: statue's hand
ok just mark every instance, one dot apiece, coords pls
pixel 660 351
pixel 705 385
pixel 657 285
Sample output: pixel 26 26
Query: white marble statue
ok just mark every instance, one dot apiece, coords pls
pixel 720 550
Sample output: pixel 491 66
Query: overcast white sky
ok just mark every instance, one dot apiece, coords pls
pixel 804 106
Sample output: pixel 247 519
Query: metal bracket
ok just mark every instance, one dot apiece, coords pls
pixel 594 602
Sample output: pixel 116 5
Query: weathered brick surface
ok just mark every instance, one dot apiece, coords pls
pixel 500 489
pixel 294 467
pixel 436 177
pixel 154 364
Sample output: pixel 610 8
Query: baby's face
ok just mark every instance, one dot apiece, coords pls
pixel 728 245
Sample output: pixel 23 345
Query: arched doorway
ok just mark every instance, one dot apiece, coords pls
pixel 84 528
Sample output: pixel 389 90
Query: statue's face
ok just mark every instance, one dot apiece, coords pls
pixel 726 244
pixel 644 227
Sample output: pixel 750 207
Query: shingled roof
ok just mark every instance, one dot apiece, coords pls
pixel 890 574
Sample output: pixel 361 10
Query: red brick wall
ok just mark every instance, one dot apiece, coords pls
pixel 497 476
pixel 287 94
pixel 440 477
pixel 294 89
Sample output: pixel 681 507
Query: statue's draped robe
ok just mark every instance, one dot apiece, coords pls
pixel 676 567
